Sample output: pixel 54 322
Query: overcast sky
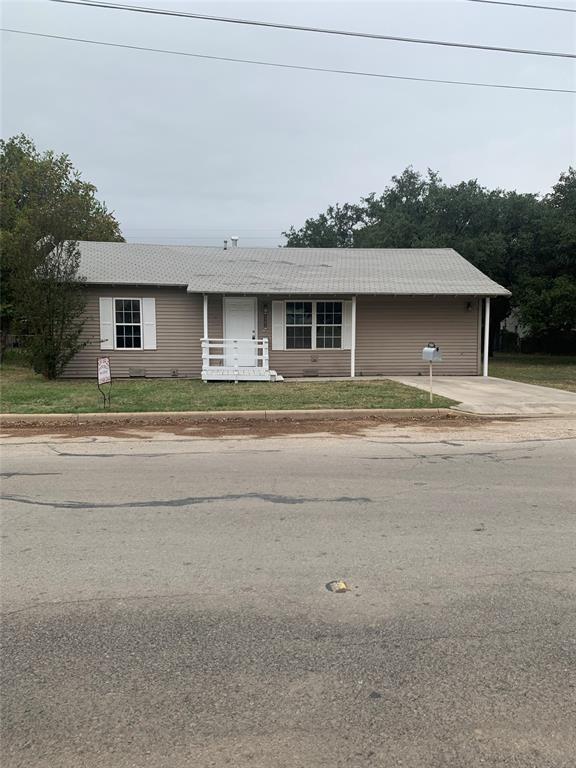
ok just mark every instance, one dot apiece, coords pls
pixel 192 151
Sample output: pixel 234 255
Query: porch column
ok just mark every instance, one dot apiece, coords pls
pixel 205 336
pixel 486 335
pixel 353 340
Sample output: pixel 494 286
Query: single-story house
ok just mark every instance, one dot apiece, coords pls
pixel 258 313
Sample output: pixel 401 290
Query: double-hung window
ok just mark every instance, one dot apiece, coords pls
pixel 313 325
pixel 299 324
pixel 328 324
pixel 128 323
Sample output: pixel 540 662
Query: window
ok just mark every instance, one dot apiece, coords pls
pixel 313 325
pixel 298 325
pixel 128 323
pixel 328 324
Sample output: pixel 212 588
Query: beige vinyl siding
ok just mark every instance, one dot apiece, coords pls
pixel 178 333
pixel 215 317
pixel 215 324
pixel 390 334
pixel 302 362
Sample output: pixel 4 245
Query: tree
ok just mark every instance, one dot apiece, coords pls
pixel 559 242
pixel 333 229
pixel 510 236
pixel 43 200
pixel 548 304
pixel 53 302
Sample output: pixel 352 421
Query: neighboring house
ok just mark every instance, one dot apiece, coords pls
pixel 512 324
pixel 285 311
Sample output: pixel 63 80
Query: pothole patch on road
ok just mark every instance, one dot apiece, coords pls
pixel 375 695
pixel 338 585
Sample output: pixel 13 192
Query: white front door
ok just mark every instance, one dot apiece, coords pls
pixel 240 321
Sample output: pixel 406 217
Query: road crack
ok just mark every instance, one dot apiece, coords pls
pixel 188 501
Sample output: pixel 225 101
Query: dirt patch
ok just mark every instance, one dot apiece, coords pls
pixel 257 428
pixel 308 426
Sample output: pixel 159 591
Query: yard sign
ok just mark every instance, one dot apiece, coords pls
pixel 104 375
pixel 104 378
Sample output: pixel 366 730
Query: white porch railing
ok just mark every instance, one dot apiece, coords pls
pixel 236 360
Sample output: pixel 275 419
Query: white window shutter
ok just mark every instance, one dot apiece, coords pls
pixel 278 322
pixel 346 325
pixel 106 323
pixel 149 323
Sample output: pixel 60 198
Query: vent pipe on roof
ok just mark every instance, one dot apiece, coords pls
pixel 225 245
pixel 234 242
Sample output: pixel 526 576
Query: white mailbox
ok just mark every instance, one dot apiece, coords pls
pixel 431 353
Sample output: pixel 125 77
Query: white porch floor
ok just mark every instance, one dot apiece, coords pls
pixel 240 373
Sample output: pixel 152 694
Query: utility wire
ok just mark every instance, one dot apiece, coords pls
pixel 288 66
pixel 299 28
pixel 524 5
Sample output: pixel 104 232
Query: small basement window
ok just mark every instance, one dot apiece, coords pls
pixel 128 324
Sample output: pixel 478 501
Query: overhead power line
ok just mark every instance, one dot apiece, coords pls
pixel 524 5
pixel 278 65
pixel 319 30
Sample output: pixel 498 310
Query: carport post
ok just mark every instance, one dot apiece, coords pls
pixel 353 340
pixel 486 335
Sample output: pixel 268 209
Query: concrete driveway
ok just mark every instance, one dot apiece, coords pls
pixel 477 394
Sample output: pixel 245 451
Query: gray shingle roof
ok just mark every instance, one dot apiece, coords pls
pixel 427 271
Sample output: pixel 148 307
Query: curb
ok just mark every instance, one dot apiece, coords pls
pixel 156 418
pixel 503 414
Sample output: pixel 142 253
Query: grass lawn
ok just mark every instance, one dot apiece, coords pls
pixel 545 370
pixel 22 391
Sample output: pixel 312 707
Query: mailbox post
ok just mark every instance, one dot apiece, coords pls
pixel 431 354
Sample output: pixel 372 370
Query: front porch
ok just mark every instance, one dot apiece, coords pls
pixel 246 339
pixel 236 360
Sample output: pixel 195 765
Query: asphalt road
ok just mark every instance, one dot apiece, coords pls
pixel 165 602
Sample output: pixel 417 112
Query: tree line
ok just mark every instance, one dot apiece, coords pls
pixel 525 242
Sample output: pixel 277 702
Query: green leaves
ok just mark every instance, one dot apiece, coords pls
pixel 334 229
pixel 53 304
pixel 547 305
pixel 46 207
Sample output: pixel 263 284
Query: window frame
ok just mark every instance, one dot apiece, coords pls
pixel 116 324
pixel 329 325
pixel 311 325
pixel 314 325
